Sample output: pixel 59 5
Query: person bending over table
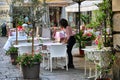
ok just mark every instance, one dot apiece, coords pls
pixel 69 39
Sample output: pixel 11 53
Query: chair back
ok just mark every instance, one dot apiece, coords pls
pixel 58 50
pixel 26 49
pixel 12 32
pixel 46 33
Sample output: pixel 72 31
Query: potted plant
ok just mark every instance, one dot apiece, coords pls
pixel 84 39
pixel 88 37
pixel 13 52
pixel 30 65
pixel 79 40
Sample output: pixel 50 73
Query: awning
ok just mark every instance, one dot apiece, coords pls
pixel 85 6
pixel 58 3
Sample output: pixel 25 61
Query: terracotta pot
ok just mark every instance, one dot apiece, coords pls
pixel 81 52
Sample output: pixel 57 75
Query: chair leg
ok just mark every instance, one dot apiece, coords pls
pixel 43 61
pixel 48 55
pixel 51 64
pixel 66 64
pixel 96 71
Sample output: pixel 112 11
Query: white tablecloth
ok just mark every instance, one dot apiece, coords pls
pixel 27 48
pixel 51 43
pixel 11 39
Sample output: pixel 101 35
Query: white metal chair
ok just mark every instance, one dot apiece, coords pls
pixel 46 33
pixel 25 49
pixel 45 53
pixel 57 51
pixel 12 32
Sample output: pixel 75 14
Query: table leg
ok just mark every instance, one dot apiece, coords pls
pixel 85 68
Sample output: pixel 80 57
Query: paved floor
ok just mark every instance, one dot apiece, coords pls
pixel 11 72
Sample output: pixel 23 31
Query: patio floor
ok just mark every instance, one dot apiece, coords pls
pixel 12 72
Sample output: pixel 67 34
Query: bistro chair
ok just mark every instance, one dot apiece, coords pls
pixel 46 33
pixel 57 51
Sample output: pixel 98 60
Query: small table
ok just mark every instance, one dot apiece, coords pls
pixel 96 56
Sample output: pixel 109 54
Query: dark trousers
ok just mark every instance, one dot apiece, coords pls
pixel 4 31
pixel 70 45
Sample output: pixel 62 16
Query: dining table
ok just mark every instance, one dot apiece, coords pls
pixel 27 47
pixel 23 39
pixel 12 39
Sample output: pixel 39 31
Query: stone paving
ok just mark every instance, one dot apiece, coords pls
pixel 12 72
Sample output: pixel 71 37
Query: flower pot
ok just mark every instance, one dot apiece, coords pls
pixel 103 79
pixel 31 72
pixel 13 58
pixel 81 52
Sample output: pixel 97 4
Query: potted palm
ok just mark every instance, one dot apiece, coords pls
pixel 30 65
pixel 13 52
pixel 79 40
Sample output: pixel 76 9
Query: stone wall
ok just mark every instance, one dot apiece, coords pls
pixel 116 5
pixel 116 27
pixel 116 37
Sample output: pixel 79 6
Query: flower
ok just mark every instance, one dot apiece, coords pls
pixel 82 38
pixel 20 28
pixel 29 59
pixel 99 42
pixel 88 36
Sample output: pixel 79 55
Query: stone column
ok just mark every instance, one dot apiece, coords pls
pixel 116 37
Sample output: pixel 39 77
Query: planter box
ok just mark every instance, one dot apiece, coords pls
pixel 31 72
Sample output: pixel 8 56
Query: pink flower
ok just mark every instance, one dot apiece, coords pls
pixel 20 28
pixel 96 42
pixel 89 34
